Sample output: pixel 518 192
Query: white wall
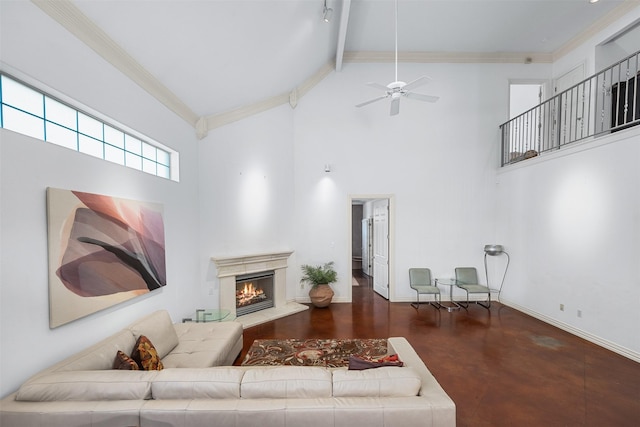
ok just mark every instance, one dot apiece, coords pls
pixel 571 225
pixel 246 191
pixel 586 53
pixel 263 186
pixel 620 47
pixel 35 46
pixel 437 160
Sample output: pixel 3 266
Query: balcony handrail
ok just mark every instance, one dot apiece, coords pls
pixel 606 102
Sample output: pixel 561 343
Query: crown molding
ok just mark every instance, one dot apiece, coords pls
pixel 218 120
pixel 449 57
pixel 316 78
pixel 611 17
pixel 292 97
pixel 71 18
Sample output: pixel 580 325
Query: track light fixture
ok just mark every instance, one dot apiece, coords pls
pixel 326 12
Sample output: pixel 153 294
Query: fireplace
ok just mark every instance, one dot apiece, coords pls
pixel 231 269
pixel 254 292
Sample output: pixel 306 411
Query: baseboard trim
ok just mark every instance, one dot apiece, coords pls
pixel 623 351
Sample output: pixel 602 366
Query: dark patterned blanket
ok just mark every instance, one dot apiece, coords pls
pixel 331 353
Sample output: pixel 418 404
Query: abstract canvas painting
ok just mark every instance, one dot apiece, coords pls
pixel 102 251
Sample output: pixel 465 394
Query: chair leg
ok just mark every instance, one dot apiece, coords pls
pixel 437 301
pixel 488 305
pixel 416 304
pixel 466 304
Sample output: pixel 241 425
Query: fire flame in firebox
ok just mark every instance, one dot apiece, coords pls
pixel 249 294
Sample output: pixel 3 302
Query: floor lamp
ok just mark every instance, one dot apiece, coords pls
pixel 495 250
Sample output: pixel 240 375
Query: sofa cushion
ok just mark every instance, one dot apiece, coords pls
pixel 380 382
pixel 202 383
pixel 159 328
pixel 286 382
pixel 124 362
pixel 146 355
pixel 87 385
pixel 203 345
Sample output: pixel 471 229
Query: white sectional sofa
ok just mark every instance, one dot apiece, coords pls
pixel 199 388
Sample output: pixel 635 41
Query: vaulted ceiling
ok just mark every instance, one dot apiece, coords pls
pixel 215 60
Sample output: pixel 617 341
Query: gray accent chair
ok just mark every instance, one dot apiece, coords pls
pixel 467 279
pixel 420 281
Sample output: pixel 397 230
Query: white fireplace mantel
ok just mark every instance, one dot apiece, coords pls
pixel 243 264
pixel 231 266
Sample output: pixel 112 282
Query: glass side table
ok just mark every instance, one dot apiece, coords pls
pixel 453 305
pixel 210 315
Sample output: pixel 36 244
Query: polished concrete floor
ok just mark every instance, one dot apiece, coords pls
pixel 500 366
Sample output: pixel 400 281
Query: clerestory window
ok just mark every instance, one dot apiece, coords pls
pixel 31 112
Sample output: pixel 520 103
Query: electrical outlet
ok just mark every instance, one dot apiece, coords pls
pixel 561 307
pixel 579 313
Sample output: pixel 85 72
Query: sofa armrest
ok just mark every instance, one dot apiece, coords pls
pixel 443 406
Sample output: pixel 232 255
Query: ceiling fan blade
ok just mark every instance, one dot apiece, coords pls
pixel 395 106
pixel 417 82
pixel 421 97
pixel 372 101
pixel 378 86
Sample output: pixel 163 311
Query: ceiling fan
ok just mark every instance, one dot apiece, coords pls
pixel 397 89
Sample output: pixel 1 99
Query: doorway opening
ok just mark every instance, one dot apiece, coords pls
pixel 523 96
pixel 372 243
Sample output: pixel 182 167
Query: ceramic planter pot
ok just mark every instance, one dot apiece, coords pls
pixel 321 295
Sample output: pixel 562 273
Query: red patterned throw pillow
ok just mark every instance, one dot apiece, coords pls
pixel 146 355
pixel 124 362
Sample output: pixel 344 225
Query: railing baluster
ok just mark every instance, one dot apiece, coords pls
pixel 626 96
pixel 604 96
pixel 634 114
pixel 617 105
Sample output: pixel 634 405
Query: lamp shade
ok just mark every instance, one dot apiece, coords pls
pixel 493 249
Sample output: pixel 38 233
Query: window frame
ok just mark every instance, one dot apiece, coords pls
pixel 150 165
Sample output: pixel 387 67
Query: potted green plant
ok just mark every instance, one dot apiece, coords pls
pixel 319 277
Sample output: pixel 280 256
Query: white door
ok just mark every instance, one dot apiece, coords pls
pixel 569 79
pixel 571 105
pixel 381 247
pixel 367 249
